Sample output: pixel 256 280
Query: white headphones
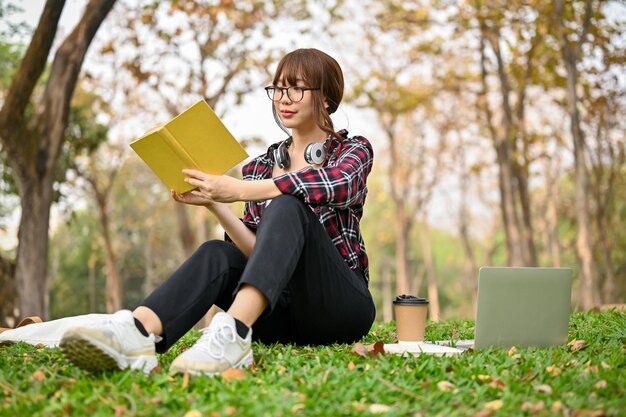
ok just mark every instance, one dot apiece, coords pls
pixel 315 153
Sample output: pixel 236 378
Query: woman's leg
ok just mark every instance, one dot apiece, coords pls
pixel 208 277
pixel 293 262
pixel 311 293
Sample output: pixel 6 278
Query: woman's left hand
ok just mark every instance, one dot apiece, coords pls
pixel 220 188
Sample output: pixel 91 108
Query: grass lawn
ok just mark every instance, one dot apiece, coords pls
pixel 585 378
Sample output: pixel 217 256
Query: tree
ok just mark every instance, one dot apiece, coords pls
pixel 571 50
pixel 32 130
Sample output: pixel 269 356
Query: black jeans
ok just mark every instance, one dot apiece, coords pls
pixel 313 296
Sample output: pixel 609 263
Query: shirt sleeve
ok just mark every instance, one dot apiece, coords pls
pixel 340 184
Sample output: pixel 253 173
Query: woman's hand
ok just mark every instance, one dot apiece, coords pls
pixel 192 198
pixel 211 188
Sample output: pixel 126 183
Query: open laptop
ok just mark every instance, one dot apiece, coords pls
pixel 521 307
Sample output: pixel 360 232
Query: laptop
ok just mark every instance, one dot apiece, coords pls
pixel 521 307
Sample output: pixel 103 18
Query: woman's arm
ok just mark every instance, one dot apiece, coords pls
pixel 225 189
pixel 241 236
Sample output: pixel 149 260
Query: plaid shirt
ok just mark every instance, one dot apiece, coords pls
pixel 336 193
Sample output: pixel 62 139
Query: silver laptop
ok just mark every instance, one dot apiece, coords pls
pixel 521 307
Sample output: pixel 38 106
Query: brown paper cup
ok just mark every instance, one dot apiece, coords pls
pixel 410 312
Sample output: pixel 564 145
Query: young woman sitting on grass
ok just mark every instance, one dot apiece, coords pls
pixel 293 270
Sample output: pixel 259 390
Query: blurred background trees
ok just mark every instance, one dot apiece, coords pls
pixel 496 127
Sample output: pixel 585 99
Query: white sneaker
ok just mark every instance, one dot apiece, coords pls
pixel 113 344
pixel 219 348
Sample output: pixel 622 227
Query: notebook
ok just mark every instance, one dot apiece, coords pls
pixel 521 307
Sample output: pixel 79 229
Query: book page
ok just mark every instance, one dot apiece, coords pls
pixel 163 160
pixel 206 140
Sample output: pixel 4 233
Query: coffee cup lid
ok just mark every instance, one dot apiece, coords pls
pixel 406 299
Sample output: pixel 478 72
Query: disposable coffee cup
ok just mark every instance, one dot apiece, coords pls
pixel 410 314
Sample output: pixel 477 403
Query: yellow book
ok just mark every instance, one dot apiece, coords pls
pixel 195 139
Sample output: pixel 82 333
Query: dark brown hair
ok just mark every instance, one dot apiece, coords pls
pixel 318 70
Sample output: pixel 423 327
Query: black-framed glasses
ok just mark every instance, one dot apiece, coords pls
pixel 294 93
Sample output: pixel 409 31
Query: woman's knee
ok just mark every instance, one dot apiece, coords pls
pixel 285 204
pixel 218 249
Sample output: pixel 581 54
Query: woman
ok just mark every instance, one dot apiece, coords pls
pixel 293 270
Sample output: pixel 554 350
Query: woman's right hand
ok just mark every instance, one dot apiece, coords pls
pixel 193 198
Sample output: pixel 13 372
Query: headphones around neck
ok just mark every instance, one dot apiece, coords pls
pixel 314 153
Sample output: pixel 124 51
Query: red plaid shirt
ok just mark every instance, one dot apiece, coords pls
pixel 336 193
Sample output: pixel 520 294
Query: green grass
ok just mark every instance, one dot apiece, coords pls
pixel 333 381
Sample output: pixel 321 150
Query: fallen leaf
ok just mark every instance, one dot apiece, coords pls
pixel 447 386
pixel 233 374
pixel 512 351
pixel 589 413
pixel 484 378
pixel 605 365
pixel 553 370
pixel 601 384
pixel 367 351
pixel 230 410
pixel 576 345
pixel 497 383
pixel 193 413
pixel 157 369
pixel 38 375
pixel 351 365
pixel 120 410
pixel 534 407
pixel 494 405
pixel 546 389
pixel 359 349
pixel 378 408
pixel 297 408
pixel 185 380
pixel 556 407
pixel 483 413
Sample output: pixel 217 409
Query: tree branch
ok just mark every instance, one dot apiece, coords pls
pixel 31 67
pixel 55 103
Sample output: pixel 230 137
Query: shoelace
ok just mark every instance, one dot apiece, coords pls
pixel 213 340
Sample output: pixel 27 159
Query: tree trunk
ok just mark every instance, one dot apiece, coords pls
pixel 114 293
pixel 431 277
pixel 387 293
pixel 472 268
pixel 501 140
pixel 8 295
pixel 185 233
pixel 92 283
pixel 149 283
pixel 402 248
pixel 470 281
pixel 552 220
pixel 530 251
pixel 31 269
pixel 588 275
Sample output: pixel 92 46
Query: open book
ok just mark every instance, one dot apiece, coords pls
pixel 195 139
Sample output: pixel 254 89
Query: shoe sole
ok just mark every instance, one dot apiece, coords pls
pixel 91 355
pixel 87 355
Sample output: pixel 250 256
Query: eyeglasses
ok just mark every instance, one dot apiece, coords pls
pixel 295 93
